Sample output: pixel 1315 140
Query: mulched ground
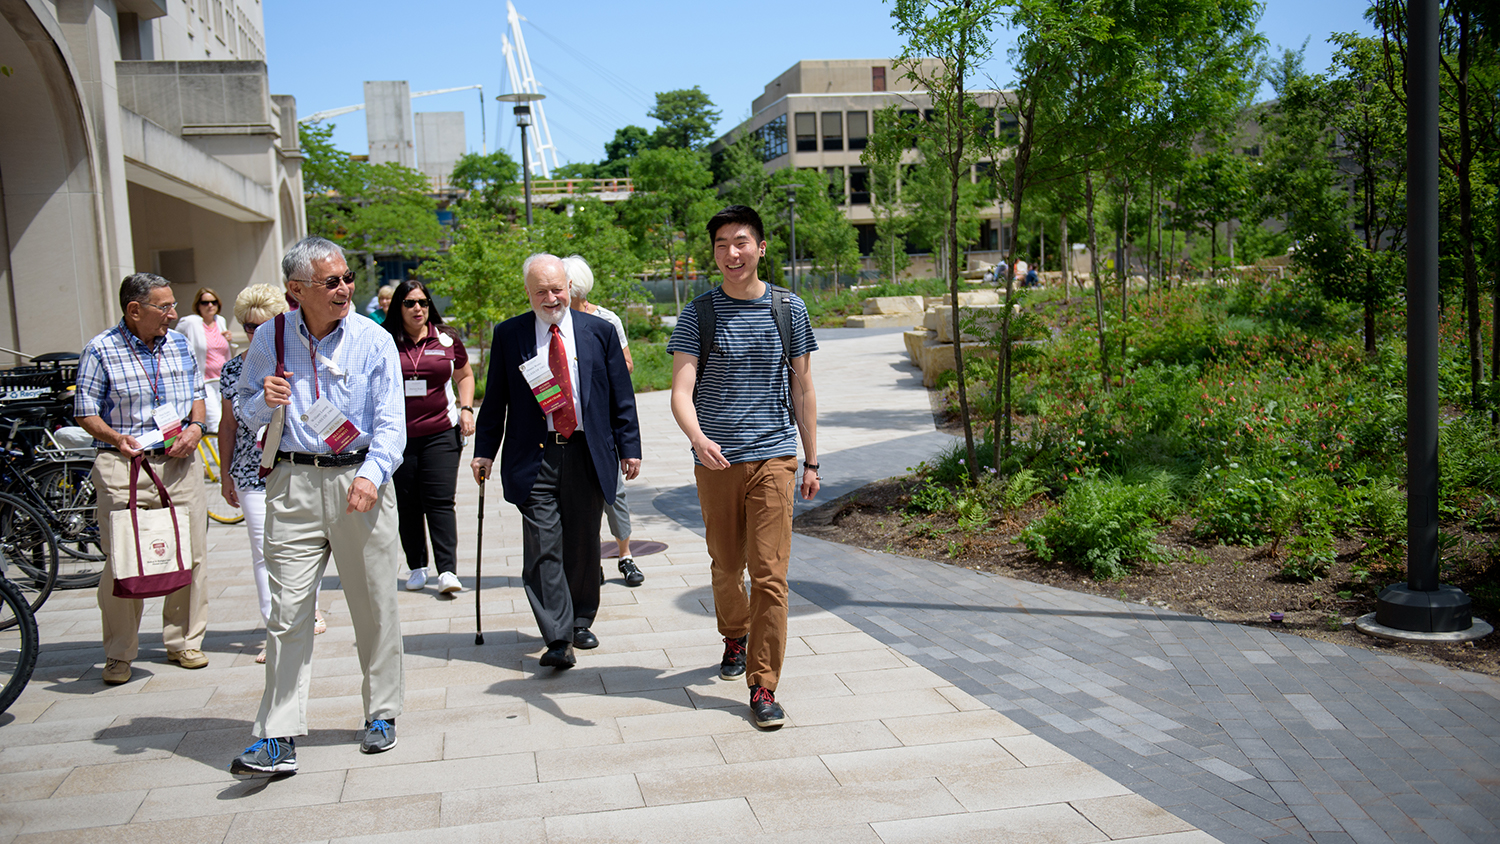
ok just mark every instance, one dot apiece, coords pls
pixel 1230 583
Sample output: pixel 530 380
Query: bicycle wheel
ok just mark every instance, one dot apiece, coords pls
pixel 28 551
pixel 19 644
pixel 68 488
pixel 219 509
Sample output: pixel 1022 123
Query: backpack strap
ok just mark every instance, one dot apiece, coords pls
pixel 781 314
pixel 703 306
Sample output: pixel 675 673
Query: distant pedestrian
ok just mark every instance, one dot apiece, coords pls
pixel 581 281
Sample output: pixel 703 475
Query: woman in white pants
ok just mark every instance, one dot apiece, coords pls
pixel 238 448
pixel 208 335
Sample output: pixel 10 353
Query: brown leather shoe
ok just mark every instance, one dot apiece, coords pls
pixel 188 658
pixel 116 671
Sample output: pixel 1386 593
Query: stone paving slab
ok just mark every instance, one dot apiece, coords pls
pixel 640 742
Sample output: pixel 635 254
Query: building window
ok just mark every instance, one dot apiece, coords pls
pixel 859 129
pixel 772 138
pixel 1009 129
pixel 859 186
pixel 866 235
pixel 835 176
pixel 807 131
pixel 130 36
pixel 877 79
pixel 833 131
pixel 913 116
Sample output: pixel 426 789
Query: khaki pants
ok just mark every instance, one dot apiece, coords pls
pixel 747 516
pixel 305 524
pixel 184 613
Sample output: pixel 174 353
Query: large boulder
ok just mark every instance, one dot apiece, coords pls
pixel 893 305
pixel 986 317
pixel 973 298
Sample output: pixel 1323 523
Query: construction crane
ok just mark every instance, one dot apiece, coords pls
pixel 523 81
pixel 320 116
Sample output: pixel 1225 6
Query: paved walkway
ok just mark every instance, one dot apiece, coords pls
pixel 926 703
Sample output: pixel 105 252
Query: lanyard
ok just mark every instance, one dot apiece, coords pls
pixel 416 358
pixel 312 351
pixel 154 381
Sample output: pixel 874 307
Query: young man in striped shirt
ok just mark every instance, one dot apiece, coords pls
pixel 753 400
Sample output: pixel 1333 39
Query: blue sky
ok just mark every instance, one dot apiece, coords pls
pixel 601 62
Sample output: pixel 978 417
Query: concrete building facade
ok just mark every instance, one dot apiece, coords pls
pixel 136 135
pixel 817 115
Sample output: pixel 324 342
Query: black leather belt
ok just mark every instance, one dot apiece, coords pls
pixel 554 438
pixel 324 461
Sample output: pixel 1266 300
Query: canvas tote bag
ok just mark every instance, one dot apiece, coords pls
pixel 146 545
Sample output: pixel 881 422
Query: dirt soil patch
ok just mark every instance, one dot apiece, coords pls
pixel 1229 583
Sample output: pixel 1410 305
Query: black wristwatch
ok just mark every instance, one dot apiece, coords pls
pixel 812 466
pixel 466 407
pixel 202 428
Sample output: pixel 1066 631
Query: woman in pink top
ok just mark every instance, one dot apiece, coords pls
pixel 208 334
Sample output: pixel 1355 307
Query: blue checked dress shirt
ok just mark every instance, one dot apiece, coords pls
pixel 122 380
pixel 357 371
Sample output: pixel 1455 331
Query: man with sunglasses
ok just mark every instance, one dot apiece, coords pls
pixel 140 393
pixel 329 493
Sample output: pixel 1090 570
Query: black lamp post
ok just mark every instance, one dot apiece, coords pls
pixel 791 210
pixel 522 112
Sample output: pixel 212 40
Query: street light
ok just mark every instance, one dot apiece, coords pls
pixel 791 208
pixel 522 111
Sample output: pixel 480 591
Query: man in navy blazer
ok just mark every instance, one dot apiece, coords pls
pixel 558 466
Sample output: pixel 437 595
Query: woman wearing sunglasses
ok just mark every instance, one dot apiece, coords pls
pixel 208 335
pixel 239 447
pixel 439 387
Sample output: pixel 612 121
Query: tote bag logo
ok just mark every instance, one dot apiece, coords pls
pixel 159 548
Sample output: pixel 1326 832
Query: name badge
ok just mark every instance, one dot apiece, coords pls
pixel 331 425
pixel 538 375
pixel 169 422
pixel 415 387
pixel 435 353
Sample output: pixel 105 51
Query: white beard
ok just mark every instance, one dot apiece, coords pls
pixel 551 317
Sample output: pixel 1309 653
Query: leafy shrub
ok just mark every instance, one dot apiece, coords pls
pixel 1103 523
pixel 1238 506
pixel 1309 557
pixel 1019 489
pixel 931 497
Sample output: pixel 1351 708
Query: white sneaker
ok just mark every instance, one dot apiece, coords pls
pixel 416 580
pixel 448 583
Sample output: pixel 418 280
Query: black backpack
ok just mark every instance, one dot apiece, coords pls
pixel 781 314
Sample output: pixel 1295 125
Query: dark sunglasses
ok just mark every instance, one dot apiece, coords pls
pixel 250 327
pixel 332 282
pixel 417 303
pixel 202 302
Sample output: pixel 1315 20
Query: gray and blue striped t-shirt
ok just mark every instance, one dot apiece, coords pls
pixel 743 396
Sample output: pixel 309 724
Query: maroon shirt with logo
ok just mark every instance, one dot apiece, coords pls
pixel 427 379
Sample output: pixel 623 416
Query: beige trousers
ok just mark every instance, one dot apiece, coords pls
pixel 184 613
pixel 747 518
pixel 305 524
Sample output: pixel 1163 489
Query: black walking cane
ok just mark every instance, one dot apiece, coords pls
pixel 479 565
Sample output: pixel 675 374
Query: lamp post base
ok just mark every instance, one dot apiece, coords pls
pixel 1442 610
pixel 1367 625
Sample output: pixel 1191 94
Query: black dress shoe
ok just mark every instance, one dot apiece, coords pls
pixel 584 639
pixel 559 655
pixel 633 575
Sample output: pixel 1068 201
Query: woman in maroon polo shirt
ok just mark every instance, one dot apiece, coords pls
pixel 435 371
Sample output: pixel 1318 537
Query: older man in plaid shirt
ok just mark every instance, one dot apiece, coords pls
pixel 134 380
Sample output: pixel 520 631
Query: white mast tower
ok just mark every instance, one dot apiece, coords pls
pixel 523 81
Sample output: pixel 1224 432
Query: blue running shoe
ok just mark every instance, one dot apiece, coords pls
pixel 266 758
pixel 380 736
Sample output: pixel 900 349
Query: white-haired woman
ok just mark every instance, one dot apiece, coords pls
pixel 581 284
pixel 238 447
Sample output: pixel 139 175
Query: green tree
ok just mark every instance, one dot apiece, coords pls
pixel 672 202
pixel 366 208
pixel 1216 189
pixel 490 179
pixel 621 150
pixel 687 118
pixel 882 155
pixel 957 35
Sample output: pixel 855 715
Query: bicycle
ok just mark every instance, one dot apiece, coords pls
pixel 58 483
pixel 28 552
pixel 219 509
pixel 19 643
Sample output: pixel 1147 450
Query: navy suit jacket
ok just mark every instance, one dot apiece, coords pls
pixel 607 417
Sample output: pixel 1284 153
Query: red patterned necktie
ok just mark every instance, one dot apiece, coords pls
pixel 564 419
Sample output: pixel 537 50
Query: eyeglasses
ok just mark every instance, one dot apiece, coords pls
pixel 332 282
pixel 417 303
pixel 250 327
pixel 202 302
pixel 166 309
